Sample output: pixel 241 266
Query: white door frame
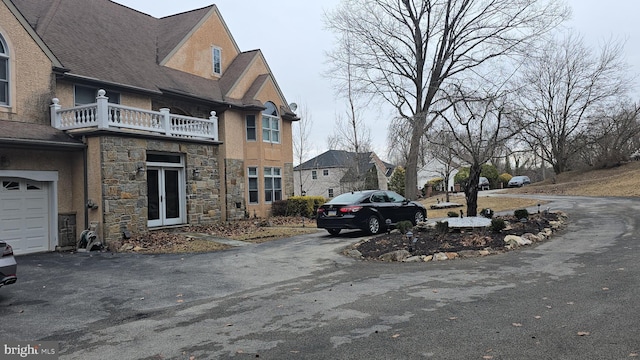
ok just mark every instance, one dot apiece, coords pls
pixel 51 180
pixel 182 203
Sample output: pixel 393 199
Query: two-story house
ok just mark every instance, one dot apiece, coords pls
pixel 337 171
pixel 116 120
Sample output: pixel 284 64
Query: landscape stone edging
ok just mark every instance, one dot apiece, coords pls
pixel 513 242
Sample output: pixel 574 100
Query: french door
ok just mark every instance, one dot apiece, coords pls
pixel 166 196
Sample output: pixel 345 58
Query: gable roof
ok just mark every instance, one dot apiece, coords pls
pixel 174 29
pixel 235 70
pixel 342 159
pixel 105 42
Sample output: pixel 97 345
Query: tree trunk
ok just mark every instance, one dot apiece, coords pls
pixel 471 190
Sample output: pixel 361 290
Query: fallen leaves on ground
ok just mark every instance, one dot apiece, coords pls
pixel 251 230
pixel 161 242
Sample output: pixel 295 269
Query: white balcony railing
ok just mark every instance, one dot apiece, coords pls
pixel 103 115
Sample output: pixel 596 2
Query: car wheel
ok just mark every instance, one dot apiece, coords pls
pixel 418 217
pixel 373 225
pixel 334 232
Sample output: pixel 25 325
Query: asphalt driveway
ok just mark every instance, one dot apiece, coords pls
pixel 573 297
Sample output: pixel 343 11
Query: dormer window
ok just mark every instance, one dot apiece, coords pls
pixel 216 55
pixel 4 73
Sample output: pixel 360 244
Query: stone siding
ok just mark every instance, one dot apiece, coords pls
pixel 236 189
pixel 287 181
pixel 124 190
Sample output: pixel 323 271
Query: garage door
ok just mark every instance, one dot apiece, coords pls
pixel 24 215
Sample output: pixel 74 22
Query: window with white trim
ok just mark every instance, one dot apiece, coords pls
pixel 4 72
pixel 325 172
pixel 272 184
pixel 270 124
pixel 314 174
pixel 330 193
pixel 250 121
pixel 253 185
pixel 216 56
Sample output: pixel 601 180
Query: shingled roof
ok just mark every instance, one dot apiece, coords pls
pixel 110 43
pixel 341 159
pixel 28 134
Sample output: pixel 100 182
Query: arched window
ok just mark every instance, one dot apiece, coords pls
pixel 4 72
pixel 270 123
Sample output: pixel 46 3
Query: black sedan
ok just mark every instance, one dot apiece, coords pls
pixel 368 210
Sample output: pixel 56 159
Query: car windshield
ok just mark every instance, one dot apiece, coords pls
pixel 346 198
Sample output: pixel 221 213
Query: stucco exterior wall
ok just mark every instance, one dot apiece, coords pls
pixel 31 78
pixel 70 183
pixel 195 55
pixel 64 92
pixel 258 67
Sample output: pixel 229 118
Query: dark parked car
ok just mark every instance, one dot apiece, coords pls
pixel 368 210
pixel 518 181
pixel 8 266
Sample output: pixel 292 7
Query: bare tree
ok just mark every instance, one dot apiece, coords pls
pixel 350 132
pixel 404 51
pixel 399 143
pixel 562 87
pixel 480 124
pixel 441 149
pixel 302 134
pixel 612 138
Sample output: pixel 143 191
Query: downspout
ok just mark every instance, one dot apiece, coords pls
pixel 86 183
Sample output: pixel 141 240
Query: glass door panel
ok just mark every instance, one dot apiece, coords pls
pixel 154 197
pixel 165 194
pixel 172 196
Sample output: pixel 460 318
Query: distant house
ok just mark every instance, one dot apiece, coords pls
pixel 336 171
pixel 114 119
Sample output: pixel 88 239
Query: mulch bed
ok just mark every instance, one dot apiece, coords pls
pixel 430 241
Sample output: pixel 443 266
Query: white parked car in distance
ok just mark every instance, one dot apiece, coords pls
pixel 518 181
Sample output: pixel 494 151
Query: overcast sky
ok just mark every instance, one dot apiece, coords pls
pixel 292 36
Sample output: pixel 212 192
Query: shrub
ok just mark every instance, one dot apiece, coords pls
pixel 504 179
pixel 453 214
pixel 521 214
pixel 279 208
pixel 490 172
pixel 461 176
pixel 497 225
pixel 297 206
pixel 404 226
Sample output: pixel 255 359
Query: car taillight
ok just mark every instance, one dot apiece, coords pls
pixel 350 209
pixel 320 210
pixel 8 251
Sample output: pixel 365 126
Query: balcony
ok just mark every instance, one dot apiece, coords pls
pixel 105 116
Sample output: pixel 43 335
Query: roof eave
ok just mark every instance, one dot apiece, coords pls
pixel 30 143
